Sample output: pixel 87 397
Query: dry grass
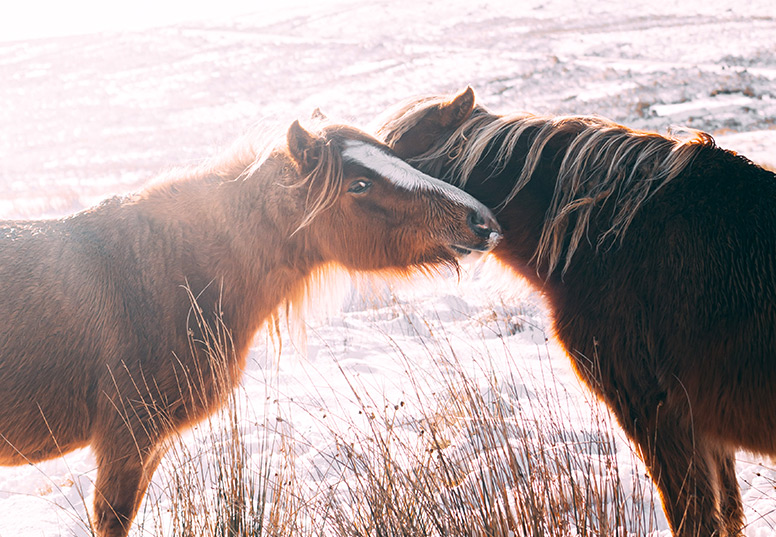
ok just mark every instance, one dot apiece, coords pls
pixel 479 454
pixel 224 490
pixel 226 481
pixel 482 462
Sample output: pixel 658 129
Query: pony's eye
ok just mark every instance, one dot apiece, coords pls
pixel 360 186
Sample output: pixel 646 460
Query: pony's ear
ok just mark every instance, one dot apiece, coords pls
pixel 457 110
pixel 445 116
pixel 305 147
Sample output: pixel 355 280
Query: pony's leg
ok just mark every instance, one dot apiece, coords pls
pixel 731 506
pixel 686 476
pixel 124 472
pixel 679 458
pixel 118 485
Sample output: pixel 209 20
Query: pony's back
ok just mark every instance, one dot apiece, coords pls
pixel 53 331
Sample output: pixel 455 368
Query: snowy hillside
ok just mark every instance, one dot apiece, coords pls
pixel 86 116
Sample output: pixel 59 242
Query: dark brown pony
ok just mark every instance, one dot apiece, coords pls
pixel 101 344
pixel 657 257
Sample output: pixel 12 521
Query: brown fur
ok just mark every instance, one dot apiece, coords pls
pixel 110 314
pixel 658 260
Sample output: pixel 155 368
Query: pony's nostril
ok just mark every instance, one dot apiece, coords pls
pixel 483 226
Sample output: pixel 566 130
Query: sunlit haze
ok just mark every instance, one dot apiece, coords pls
pixel 49 18
pixel 101 101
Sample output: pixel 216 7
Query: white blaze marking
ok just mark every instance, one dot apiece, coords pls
pixel 402 174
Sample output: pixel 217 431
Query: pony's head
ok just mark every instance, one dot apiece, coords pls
pixel 366 209
pixel 415 126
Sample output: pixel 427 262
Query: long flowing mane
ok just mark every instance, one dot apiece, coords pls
pixel 244 159
pixel 601 161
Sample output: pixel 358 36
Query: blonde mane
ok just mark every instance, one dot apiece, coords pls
pixel 243 160
pixel 601 161
pixel 326 284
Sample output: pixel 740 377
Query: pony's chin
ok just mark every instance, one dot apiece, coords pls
pixel 475 256
pixel 460 251
pixel 463 252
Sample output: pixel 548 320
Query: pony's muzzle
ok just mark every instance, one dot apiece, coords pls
pixel 485 227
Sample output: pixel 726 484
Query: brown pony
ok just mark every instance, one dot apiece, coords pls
pixel 658 260
pixel 101 344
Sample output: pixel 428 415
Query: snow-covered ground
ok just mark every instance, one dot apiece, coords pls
pixel 85 116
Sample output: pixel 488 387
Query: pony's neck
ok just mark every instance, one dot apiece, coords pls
pixel 240 253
